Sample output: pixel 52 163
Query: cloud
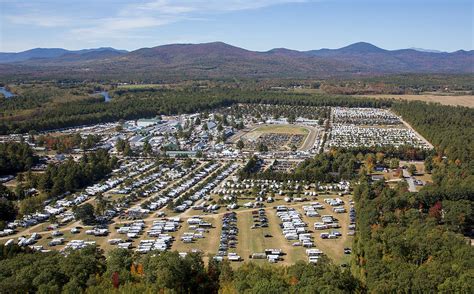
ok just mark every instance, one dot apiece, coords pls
pixel 116 27
pixel 38 20
pixel 132 17
pixel 175 7
pixel 92 20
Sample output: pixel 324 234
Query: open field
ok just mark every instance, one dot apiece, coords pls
pixel 444 98
pixel 276 129
pixel 460 100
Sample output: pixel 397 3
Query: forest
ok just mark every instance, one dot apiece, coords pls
pixel 403 246
pixel 402 152
pixel 399 84
pixel 66 143
pixel 450 129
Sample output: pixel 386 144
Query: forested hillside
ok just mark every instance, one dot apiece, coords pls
pixel 218 60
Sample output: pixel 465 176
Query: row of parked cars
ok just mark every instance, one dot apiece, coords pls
pixel 260 219
pixel 228 237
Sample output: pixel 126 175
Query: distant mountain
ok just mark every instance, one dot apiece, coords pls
pixel 356 48
pixel 220 60
pixel 400 61
pixel 33 53
pixel 81 56
pixel 50 53
pixel 100 49
pixel 217 59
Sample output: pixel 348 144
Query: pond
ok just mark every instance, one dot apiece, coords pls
pixel 106 96
pixel 6 93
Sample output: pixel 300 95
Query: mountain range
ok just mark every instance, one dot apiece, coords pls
pixel 51 53
pixel 220 60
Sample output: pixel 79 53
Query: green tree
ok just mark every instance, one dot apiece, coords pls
pixel 458 215
pixel 8 211
pixel 428 164
pixel 101 204
pixel 291 118
pixel 120 145
pixel 85 213
pixel 412 169
pixel 394 163
pixel 240 144
pixel 147 149
pixel 119 260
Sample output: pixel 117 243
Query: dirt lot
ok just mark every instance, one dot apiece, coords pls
pixel 461 100
pixel 272 134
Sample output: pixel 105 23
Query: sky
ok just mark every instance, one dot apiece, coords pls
pixel 260 25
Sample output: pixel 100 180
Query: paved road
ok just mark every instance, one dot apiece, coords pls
pixel 410 181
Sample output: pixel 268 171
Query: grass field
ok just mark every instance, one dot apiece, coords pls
pixel 208 245
pixel 461 100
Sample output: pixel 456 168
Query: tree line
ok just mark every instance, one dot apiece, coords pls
pixel 450 129
pixel 89 271
pixel 66 143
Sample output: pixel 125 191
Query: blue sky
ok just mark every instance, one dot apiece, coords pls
pixel 252 24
